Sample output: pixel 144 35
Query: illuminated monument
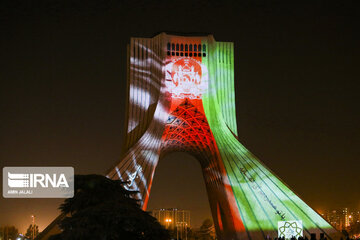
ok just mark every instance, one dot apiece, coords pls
pixel 181 97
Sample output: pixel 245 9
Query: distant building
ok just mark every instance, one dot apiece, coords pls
pixel 342 219
pixel 354 217
pixel 345 217
pixel 333 217
pixel 172 218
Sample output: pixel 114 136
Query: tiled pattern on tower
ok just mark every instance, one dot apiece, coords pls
pixel 188 128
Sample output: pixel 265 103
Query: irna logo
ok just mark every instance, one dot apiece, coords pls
pixel 24 180
pixel 38 182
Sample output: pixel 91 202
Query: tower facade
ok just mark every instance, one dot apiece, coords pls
pixel 181 97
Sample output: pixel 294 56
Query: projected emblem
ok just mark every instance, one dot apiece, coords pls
pixel 186 78
pixel 289 229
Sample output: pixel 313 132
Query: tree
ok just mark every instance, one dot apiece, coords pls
pixel 354 229
pixel 207 224
pixel 29 231
pixel 207 230
pixel 102 209
pixel 8 232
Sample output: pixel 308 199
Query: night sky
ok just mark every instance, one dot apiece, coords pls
pixel 63 88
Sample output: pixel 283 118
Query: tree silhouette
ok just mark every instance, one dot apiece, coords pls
pixel 8 232
pixel 29 231
pixel 102 209
pixel 206 230
pixel 354 229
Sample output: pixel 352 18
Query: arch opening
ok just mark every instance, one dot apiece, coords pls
pixel 178 184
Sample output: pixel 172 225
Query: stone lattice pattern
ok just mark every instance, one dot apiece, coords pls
pixel 188 130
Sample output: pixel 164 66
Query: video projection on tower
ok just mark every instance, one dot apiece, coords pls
pixel 181 97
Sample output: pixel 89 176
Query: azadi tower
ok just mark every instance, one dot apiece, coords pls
pixel 181 97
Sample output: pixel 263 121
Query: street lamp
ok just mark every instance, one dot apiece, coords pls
pixel 168 221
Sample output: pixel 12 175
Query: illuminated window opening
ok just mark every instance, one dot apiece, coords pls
pixel 187 50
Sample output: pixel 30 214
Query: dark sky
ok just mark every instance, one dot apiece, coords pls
pixel 63 87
